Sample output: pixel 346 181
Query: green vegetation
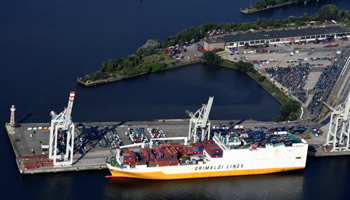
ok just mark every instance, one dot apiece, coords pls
pixel 228 63
pixel 240 65
pixel 291 109
pixel 259 5
pixel 211 58
pixel 149 59
pixel 151 47
pixel 264 3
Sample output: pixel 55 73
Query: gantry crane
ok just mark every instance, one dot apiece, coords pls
pixel 200 119
pixel 338 133
pixel 59 124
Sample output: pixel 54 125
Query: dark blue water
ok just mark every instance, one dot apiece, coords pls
pixel 45 45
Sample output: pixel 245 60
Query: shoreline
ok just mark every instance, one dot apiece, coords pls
pixel 110 80
pixel 247 11
pixel 196 61
pixel 263 85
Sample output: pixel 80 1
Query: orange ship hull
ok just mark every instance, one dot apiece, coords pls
pixel 161 176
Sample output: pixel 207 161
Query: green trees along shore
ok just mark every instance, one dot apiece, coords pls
pixel 149 57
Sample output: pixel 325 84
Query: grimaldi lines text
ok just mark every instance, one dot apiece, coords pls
pixel 211 158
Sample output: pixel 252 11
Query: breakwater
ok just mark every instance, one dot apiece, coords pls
pixel 249 11
pixel 109 80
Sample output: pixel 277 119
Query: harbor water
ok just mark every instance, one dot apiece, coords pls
pixel 45 46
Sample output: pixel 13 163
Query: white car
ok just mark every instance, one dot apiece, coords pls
pixel 40 127
pixel 29 128
pixel 34 128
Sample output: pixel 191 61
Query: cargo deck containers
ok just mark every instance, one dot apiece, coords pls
pixel 172 161
pixel 158 153
pixel 212 148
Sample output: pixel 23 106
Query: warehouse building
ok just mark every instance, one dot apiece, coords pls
pixel 276 37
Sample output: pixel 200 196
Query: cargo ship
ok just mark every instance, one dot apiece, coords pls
pixel 221 156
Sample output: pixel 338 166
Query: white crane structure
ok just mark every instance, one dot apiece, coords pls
pixel 60 123
pixel 338 133
pixel 200 119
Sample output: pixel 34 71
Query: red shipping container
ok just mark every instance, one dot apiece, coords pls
pixel 210 145
pixel 151 161
pixel 162 162
pixel 189 147
pixel 169 155
pixel 30 161
pixel 124 150
pixel 141 163
pixel 129 162
pixel 47 164
pixel 208 142
pixel 27 157
pixel 216 156
pixel 178 148
pixel 171 150
pixel 215 150
pixel 174 144
pixel 196 144
pixel 129 158
pixel 164 146
pixel 172 161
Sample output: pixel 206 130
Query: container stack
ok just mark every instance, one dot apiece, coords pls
pixel 36 161
pixel 158 153
pixel 144 154
pixel 166 154
pixel 197 148
pixel 212 148
pixel 187 150
pixel 172 161
pixel 161 162
pixel 170 152
pixel 128 157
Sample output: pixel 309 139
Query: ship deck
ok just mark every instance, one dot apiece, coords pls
pixel 93 156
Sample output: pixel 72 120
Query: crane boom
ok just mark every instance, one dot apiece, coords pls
pixel 207 111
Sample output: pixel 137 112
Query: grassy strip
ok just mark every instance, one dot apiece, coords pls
pixel 228 63
pixel 280 95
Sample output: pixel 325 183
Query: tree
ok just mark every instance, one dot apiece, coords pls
pixel 290 106
pixel 258 21
pixel 270 22
pixel 151 47
pixel 245 26
pixel 211 58
pixel 305 18
pixel 224 26
pixel 244 67
pixel 279 118
pixel 328 12
pixel 214 26
pixel 292 19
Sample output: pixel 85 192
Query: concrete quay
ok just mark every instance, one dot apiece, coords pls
pixel 24 139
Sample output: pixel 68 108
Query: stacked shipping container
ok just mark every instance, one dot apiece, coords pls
pixel 169 154
pixel 212 148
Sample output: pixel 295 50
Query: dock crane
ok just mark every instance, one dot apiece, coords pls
pixel 200 119
pixel 339 132
pixel 59 123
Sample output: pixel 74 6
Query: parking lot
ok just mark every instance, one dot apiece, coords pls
pixel 307 75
